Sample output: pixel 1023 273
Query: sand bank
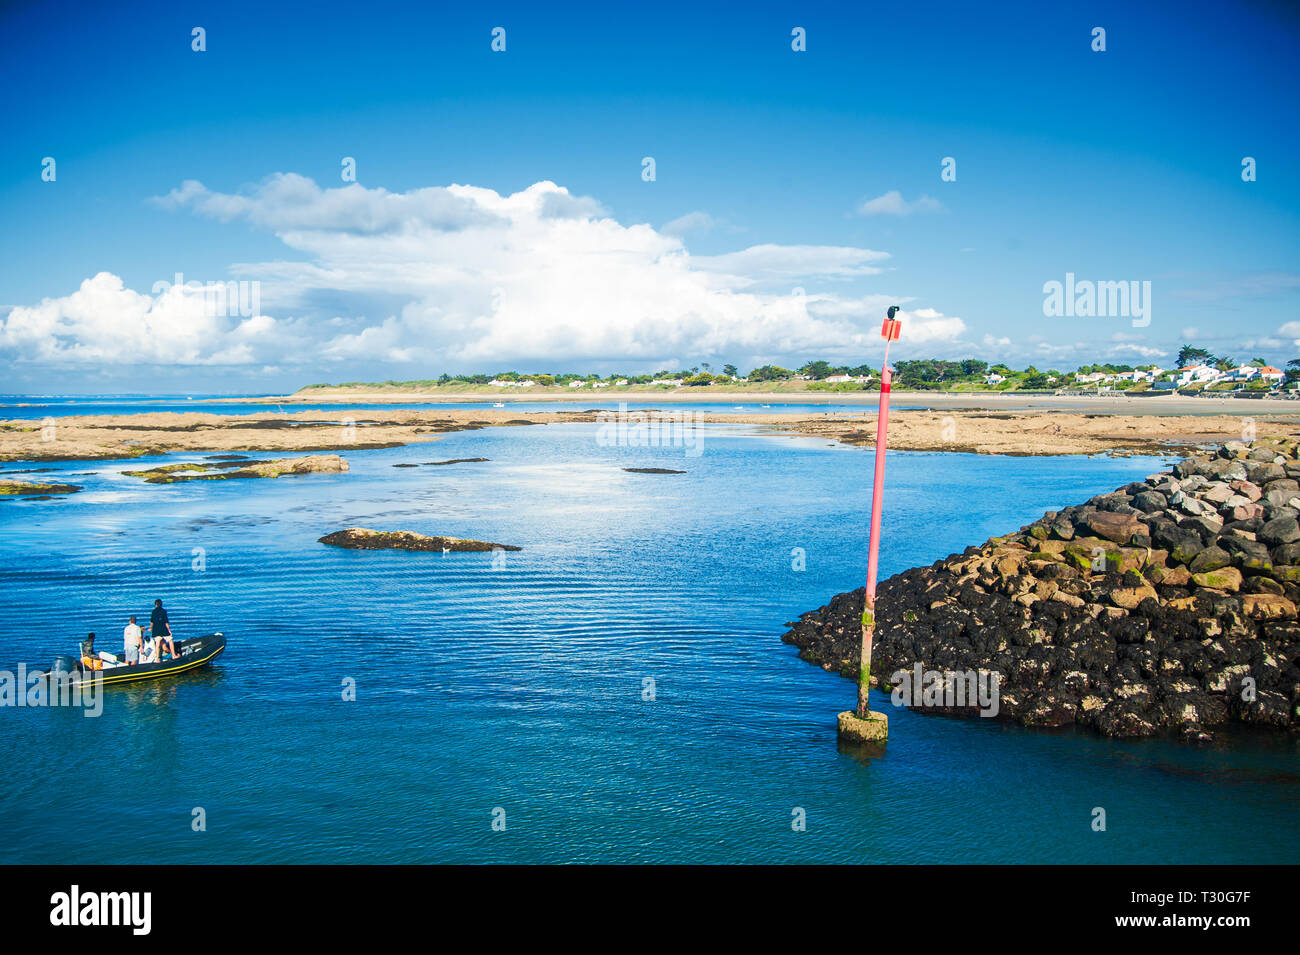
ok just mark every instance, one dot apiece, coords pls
pixel 1020 432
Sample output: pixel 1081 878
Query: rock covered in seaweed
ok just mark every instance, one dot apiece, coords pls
pixel 15 488
pixel 1168 605
pixel 308 464
pixel 361 538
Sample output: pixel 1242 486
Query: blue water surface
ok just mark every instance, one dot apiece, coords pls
pixel 617 691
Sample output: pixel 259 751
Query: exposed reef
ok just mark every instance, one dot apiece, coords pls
pixel 361 538
pixel 29 488
pixel 229 470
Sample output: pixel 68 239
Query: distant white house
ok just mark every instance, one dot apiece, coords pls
pixel 993 378
pixel 1140 375
pixel 1251 372
pixel 506 383
pixel 1241 373
pixel 675 382
pixel 577 384
pixel 855 379
pixel 621 381
pixel 1195 373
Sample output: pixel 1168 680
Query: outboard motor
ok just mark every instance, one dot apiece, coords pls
pixel 65 668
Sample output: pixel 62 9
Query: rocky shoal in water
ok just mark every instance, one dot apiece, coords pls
pixel 362 538
pixel 1168 606
pixel 35 490
pixel 231 467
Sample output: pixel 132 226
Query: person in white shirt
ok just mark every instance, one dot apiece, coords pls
pixel 133 638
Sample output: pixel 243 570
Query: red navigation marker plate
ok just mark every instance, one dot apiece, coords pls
pixel 889 331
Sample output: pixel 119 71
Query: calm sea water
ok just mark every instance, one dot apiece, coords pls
pixel 522 688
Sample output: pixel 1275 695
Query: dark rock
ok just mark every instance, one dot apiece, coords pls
pixel 1247 554
pixel 1062 529
pixel 1207 528
pixel 1183 544
pixel 1250 526
pixel 1212 558
pixel 1150 502
pixel 361 538
pixel 1263 473
pixel 1280 530
pixel 1264 585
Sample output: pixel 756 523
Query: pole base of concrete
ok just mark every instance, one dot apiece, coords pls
pixel 874 729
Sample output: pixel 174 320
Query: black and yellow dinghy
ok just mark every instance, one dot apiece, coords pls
pixel 190 655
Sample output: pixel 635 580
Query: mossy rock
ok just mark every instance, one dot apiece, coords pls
pixel 1226 578
pixel 25 488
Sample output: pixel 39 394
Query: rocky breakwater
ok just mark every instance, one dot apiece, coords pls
pixel 1167 606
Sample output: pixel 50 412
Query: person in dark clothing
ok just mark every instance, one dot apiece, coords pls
pixel 161 629
pixel 89 658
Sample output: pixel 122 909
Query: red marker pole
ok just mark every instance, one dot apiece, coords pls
pixel 890 331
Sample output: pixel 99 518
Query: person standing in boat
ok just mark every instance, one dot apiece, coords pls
pixel 90 660
pixel 132 641
pixel 161 629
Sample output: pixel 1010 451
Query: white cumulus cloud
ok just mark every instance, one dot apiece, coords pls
pixel 892 203
pixel 103 322
pixel 462 276
pixel 690 222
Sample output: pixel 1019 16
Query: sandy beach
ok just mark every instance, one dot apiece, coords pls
pixel 1043 433
pixel 1004 431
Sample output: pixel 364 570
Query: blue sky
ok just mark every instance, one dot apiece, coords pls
pixel 1123 165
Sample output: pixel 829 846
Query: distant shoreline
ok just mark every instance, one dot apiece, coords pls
pixel 1171 404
